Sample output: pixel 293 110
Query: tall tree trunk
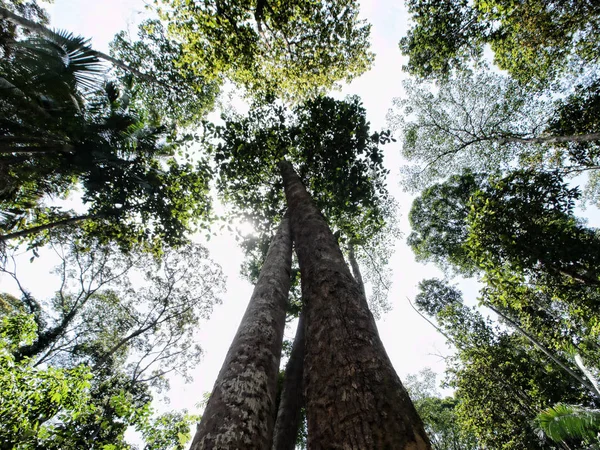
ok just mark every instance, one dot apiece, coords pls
pixel 241 410
pixel 48 226
pixel 292 398
pixel 354 399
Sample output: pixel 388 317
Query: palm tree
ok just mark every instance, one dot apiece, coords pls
pixel 62 126
pixel 564 423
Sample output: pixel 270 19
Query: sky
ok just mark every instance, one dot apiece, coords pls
pixel 412 344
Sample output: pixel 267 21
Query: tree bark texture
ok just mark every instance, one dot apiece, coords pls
pixel 354 399
pixel 240 413
pixel 292 398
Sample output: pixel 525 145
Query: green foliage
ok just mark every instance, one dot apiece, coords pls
pixel 501 380
pixel 129 319
pixel 445 36
pixel 338 159
pixel 177 94
pixel 534 41
pixel 435 295
pixel 169 431
pixel 578 114
pixel 335 155
pixel 525 221
pixel 294 48
pixel 566 422
pixel 438 219
pixel 470 121
pixel 63 128
pixel 538 262
pixel 31 396
pixel 438 414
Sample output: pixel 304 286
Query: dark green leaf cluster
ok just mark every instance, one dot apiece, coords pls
pixel 525 221
pixel 578 114
pixel 438 220
pixel 334 153
pixel 176 93
pixel 501 379
pixel 446 35
pixel 568 423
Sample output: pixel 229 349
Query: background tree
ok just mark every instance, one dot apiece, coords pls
pixel 62 127
pixel 32 397
pixel 128 338
pixel 502 381
pixel 534 41
pixel 487 122
pixel 438 414
pixel 520 234
pixel 177 93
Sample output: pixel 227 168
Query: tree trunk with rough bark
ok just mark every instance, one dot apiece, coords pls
pixel 241 410
pixel 292 398
pixel 354 399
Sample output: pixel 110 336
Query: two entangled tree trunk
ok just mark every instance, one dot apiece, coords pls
pixel 353 397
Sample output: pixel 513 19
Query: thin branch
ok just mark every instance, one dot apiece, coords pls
pixel 38 28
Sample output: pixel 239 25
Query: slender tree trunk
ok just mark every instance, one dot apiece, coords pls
pixel 241 410
pixel 551 139
pixel 292 398
pixel 356 268
pixel 354 399
pixel 512 323
pixel 41 29
pixel 9 150
pixel 48 226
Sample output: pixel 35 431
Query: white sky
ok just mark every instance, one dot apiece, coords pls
pixel 410 342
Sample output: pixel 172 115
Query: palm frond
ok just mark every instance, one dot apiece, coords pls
pixel 64 63
pixel 562 422
pixel 80 59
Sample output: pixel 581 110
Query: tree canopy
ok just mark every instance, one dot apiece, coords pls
pixel 535 41
pixel 294 49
